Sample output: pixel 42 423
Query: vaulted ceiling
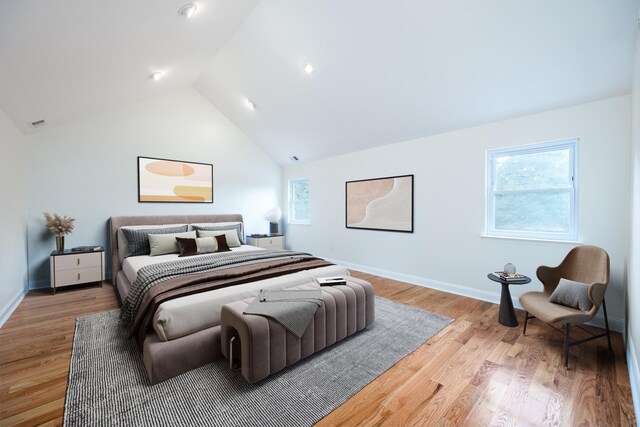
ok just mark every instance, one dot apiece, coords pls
pixel 61 60
pixel 383 71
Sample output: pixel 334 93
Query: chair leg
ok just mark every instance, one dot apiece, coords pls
pixel 526 318
pixel 606 323
pixel 566 346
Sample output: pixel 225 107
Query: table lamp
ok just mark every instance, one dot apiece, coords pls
pixel 273 216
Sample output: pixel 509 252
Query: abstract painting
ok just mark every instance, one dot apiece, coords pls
pixel 380 204
pixel 173 181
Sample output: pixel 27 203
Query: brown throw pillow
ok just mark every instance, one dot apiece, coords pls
pixel 222 243
pixel 572 294
pixel 202 245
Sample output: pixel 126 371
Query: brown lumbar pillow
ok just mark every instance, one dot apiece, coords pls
pixel 222 243
pixel 572 294
pixel 201 245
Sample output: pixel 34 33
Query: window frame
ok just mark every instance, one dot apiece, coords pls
pixel 290 211
pixel 492 154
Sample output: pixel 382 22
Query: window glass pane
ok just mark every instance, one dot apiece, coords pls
pixel 549 169
pixel 533 211
pixel 300 200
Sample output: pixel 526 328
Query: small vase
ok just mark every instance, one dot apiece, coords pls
pixel 60 243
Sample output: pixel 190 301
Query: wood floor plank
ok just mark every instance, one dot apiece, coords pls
pixel 475 372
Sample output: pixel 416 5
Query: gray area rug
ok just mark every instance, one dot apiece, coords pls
pixel 108 385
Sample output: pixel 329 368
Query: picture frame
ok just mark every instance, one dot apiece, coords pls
pixel 174 181
pixel 381 204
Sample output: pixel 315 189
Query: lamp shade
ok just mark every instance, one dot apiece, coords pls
pixel 273 215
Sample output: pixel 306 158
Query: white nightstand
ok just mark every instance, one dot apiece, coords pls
pixel 76 267
pixel 269 241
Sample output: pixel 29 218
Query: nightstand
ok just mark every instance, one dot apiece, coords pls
pixel 269 241
pixel 76 267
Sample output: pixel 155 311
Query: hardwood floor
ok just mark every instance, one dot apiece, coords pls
pixel 474 372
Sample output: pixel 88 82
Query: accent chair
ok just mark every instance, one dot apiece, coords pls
pixel 586 264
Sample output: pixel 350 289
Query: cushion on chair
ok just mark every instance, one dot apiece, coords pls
pixel 572 294
pixel 537 303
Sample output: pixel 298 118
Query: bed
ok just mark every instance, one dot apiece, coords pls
pixel 182 332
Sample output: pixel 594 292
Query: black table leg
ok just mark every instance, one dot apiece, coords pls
pixel 507 312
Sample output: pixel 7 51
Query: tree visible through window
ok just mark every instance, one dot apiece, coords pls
pixel 531 191
pixel 299 211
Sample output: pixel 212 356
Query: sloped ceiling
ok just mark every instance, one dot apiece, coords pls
pixel 390 71
pixel 385 71
pixel 61 60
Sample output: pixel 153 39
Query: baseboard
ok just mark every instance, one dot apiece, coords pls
pixel 634 374
pixel 10 307
pixel 615 323
pixel 420 281
pixel 39 284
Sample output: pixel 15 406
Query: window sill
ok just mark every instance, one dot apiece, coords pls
pixel 298 223
pixel 531 239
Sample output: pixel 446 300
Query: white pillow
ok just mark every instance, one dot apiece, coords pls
pixel 162 244
pixel 123 244
pixel 232 236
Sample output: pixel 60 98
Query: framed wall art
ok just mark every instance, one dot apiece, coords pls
pixel 384 204
pixel 174 181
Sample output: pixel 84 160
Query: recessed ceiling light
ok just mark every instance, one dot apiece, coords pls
pixel 308 68
pixel 187 10
pixel 250 104
pixel 156 76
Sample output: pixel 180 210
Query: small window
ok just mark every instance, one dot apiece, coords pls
pixel 531 191
pixel 299 212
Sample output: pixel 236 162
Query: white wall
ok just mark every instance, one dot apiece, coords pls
pixel 13 228
pixel 633 287
pixel 87 169
pixel 446 250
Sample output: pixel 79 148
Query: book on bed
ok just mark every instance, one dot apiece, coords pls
pixel 331 281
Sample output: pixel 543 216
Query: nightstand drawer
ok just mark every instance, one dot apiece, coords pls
pixel 72 262
pixel 266 242
pixel 270 242
pixel 78 275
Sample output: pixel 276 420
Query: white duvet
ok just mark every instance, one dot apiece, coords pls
pixel 193 313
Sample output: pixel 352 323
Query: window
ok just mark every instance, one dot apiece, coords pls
pixel 299 201
pixel 531 191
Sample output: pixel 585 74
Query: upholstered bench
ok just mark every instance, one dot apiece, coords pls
pixel 264 347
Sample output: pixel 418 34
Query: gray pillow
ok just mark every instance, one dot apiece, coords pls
pixel 139 238
pixel 162 244
pixel 572 294
pixel 237 227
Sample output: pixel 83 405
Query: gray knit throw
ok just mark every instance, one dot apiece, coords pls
pixel 293 309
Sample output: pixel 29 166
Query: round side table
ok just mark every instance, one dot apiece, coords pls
pixel 507 312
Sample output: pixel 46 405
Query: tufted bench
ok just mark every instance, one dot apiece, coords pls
pixel 264 347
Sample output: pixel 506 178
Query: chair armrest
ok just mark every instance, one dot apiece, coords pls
pixel 596 293
pixel 549 276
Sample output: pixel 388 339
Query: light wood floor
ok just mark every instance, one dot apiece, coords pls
pixel 475 372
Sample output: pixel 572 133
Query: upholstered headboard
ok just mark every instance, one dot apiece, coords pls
pixel 115 222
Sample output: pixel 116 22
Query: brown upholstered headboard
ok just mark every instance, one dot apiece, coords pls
pixel 115 222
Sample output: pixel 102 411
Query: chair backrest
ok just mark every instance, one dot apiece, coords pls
pixel 586 264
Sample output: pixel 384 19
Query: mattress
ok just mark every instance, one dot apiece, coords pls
pixel 131 265
pixel 187 315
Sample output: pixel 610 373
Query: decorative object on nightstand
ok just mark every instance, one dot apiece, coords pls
pixel 60 226
pixel 266 241
pixel 75 266
pixel 273 216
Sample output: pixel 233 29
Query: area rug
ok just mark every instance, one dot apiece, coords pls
pixel 108 385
